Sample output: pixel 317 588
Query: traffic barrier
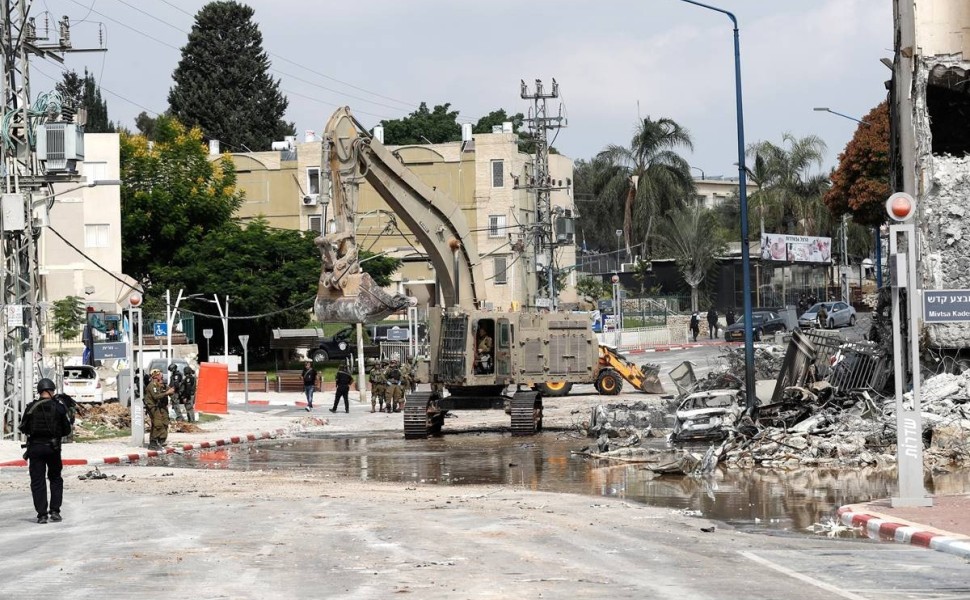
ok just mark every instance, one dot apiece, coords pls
pixel 212 394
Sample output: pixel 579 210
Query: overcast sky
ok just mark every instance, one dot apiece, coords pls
pixel 614 60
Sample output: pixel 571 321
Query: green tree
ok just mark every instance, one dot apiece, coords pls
pixel 599 190
pixel 860 184
pixel 84 92
pixel 657 178
pixel 787 185
pixel 68 317
pixel 222 82
pixel 380 268
pixel 171 196
pixel 145 124
pixel 422 126
pixel 593 288
pixel 691 237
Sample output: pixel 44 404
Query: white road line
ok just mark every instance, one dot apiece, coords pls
pixel 810 580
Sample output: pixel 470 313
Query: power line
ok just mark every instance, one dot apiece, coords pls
pixel 92 261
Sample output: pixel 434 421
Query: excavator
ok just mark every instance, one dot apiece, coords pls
pixel 475 354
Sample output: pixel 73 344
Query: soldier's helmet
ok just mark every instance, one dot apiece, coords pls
pixel 188 370
pixel 173 368
pixel 156 372
pixel 46 385
pixel 370 362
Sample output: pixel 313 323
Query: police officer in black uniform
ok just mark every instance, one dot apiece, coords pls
pixel 44 423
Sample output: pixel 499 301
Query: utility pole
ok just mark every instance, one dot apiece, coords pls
pixel 541 183
pixel 27 178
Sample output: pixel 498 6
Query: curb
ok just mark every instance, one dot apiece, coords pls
pixel 666 348
pixel 129 458
pixel 879 528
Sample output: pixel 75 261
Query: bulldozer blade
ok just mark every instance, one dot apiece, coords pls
pixel 651 380
pixel 360 301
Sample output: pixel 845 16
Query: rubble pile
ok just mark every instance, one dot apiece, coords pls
pixel 623 420
pixel 91 418
pixel 768 360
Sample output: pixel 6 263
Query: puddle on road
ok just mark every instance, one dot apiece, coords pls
pixel 757 500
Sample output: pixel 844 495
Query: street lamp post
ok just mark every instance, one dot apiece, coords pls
pixel 619 236
pixel 749 381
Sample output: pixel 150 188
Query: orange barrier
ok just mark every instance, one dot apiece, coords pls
pixel 212 393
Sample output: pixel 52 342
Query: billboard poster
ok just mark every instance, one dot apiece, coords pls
pixel 779 247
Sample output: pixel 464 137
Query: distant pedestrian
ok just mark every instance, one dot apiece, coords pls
pixel 309 376
pixel 175 380
pixel 695 325
pixel 344 380
pixel 730 317
pixel 712 322
pixel 44 423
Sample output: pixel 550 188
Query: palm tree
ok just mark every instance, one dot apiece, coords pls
pixel 656 177
pixel 693 240
pixel 785 182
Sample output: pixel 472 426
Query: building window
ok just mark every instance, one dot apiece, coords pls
pixel 501 275
pixel 316 223
pixel 496 226
pixel 313 180
pixel 96 236
pixel 498 173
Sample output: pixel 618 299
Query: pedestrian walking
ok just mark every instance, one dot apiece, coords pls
pixel 310 377
pixel 712 322
pixel 156 400
pixel 695 325
pixel 44 423
pixel 344 381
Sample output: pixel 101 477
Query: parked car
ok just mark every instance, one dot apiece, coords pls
pixel 83 383
pixel 341 345
pixel 762 322
pixel 707 416
pixel 837 314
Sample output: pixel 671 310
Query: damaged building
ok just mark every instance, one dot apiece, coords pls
pixel 938 109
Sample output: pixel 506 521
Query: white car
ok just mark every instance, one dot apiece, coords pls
pixel 83 383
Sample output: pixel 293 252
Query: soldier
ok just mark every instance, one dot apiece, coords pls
pixel 189 384
pixel 378 386
pixel 175 382
pixel 344 380
pixel 156 400
pixel 407 377
pixel 394 390
pixel 44 423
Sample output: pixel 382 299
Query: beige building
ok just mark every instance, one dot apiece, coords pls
pixel 479 174
pixel 89 221
pixel 715 190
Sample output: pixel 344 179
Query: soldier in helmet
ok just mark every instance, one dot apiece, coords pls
pixel 344 380
pixel 44 423
pixel 395 392
pixel 156 400
pixel 378 386
pixel 175 382
pixel 189 383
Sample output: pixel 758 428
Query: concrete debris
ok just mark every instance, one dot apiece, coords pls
pixel 767 360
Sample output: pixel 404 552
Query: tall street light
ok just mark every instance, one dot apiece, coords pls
pixel 749 381
pixel 875 229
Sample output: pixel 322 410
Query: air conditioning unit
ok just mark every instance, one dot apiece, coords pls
pixel 311 199
pixel 60 146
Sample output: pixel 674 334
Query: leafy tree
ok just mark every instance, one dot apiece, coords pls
pixel 436 126
pixel 84 92
pixel 599 190
pixel 68 317
pixel 171 196
pixel 497 118
pixel 860 184
pixel 146 125
pixel 657 178
pixel 786 184
pixel 593 288
pixel 691 237
pixel 222 84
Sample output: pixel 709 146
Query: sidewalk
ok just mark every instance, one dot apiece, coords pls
pixel 944 527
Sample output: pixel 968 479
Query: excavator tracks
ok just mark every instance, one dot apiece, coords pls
pixel 526 409
pixel 422 416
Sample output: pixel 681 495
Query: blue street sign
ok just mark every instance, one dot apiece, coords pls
pixel 161 329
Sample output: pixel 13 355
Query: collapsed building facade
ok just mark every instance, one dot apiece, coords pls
pixel 932 114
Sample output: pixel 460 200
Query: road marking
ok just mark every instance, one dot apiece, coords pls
pixel 810 580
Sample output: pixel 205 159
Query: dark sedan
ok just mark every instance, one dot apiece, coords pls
pixel 763 322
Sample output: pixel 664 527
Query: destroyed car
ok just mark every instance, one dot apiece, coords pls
pixel 707 416
pixel 762 322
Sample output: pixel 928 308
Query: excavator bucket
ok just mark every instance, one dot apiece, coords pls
pixel 359 301
pixel 651 380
